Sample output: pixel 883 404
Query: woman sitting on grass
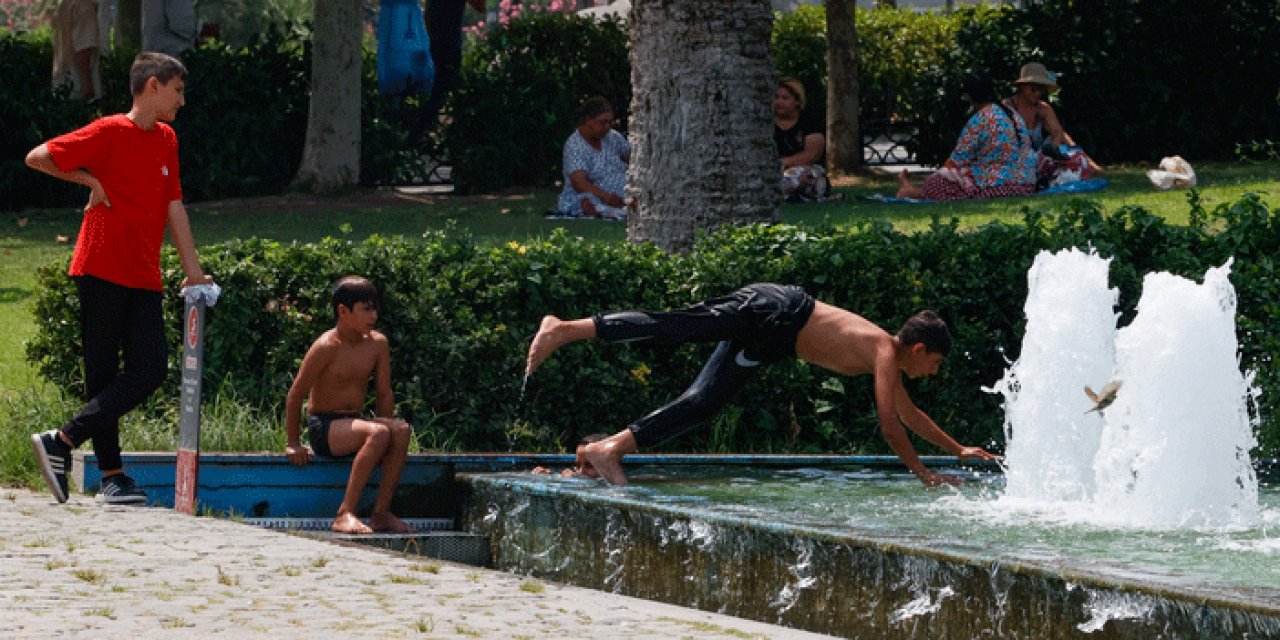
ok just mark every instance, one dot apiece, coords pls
pixel 595 165
pixel 992 159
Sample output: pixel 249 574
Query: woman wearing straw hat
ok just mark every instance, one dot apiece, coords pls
pixel 1030 100
pixel 992 158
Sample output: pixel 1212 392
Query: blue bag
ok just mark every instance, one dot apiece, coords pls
pixel 404 50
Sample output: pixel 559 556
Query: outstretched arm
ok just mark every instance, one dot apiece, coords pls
pixel 895 408
pixel 888 388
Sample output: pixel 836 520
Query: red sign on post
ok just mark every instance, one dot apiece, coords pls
pixel 187 478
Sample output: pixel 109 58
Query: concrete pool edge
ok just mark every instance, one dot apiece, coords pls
pixel 1049 584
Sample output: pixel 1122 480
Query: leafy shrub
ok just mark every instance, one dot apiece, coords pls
pixel 241 132
pixel 459 317
pixel 245 122
pixel 32 114
pixel 520 85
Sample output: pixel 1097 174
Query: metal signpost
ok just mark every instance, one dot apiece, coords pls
pixel 198 299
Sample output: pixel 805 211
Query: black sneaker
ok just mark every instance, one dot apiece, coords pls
pixel 54 457
pixel 121 489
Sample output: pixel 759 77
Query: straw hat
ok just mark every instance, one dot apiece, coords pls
pixel 1035 73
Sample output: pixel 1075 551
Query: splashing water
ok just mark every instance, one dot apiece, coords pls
pixel 1069 343
pixel 1173 450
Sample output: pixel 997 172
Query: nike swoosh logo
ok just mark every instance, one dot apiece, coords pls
pixel 742 361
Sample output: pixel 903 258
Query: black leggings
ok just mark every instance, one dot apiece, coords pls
pixel 116 321
pixel 754 325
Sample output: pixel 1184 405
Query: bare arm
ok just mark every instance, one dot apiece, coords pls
pixel 813 146
pixel 386 403
pixel 888 388
pixel 180 231
pixel 40 159
pixel 1052 126
pixel 582 184
pixel 317 359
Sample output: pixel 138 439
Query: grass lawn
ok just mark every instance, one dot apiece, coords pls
pixel 33 238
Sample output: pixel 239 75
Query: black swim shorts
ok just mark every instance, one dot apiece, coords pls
pixel 318 431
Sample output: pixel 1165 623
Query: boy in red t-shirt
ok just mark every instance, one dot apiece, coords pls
pixel 129 162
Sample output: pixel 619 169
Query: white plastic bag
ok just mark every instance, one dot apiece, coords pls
pixel 1173 172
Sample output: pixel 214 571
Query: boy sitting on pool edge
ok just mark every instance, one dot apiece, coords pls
pixel 334 380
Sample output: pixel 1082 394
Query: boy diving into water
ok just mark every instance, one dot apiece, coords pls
pixel 756 325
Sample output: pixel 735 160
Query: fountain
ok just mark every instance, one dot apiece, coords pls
pixel 1141 520
pixel 1173 450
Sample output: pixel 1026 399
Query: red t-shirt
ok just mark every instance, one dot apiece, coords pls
pixel 139 171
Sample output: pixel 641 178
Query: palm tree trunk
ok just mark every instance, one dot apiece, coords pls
pixel 701 122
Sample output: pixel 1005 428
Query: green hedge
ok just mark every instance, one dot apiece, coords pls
pixel 241 132
pixel 459 316
pixel 1142 80
pixel 520 86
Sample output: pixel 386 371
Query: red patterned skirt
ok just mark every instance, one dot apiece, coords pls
pixel 940 187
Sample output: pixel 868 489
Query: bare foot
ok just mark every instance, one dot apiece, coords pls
pixel 545 342
pixel 904 185
pixel 349 523
pixel 387 521
pixel 589 209
pixel 606 456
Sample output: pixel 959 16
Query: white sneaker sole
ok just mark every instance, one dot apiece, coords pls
pixel 46 468
pixel 121 499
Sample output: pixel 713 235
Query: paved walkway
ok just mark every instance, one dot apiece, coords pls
pixel 87 570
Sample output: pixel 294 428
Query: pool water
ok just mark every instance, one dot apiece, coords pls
pixel 974 518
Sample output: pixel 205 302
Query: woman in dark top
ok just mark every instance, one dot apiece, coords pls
pixel 801 143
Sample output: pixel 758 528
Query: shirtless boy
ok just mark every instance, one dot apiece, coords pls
pixel 756 325
pixel 334 379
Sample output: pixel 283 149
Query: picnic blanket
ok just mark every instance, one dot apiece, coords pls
pixel 1079 186
pixel 553 214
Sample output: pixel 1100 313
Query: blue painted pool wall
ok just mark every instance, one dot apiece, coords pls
pixel 267 486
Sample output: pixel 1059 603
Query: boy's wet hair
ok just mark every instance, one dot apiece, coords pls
pixel 926 327
pixel 151 64
pixel 352 289
pixel 592 107
pixel 595 437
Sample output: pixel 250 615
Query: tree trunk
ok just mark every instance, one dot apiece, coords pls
pixel 844 138
pixel 701 121
pixel 331 154
pixel 129 24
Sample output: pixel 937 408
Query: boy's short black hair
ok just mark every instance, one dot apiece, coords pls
pixel 352 289
pixel 151 64
pixel 926 327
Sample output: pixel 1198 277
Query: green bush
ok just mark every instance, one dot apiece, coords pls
pixel 241 132
pixel 520 85
pixel 459 317
pixel 32 114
